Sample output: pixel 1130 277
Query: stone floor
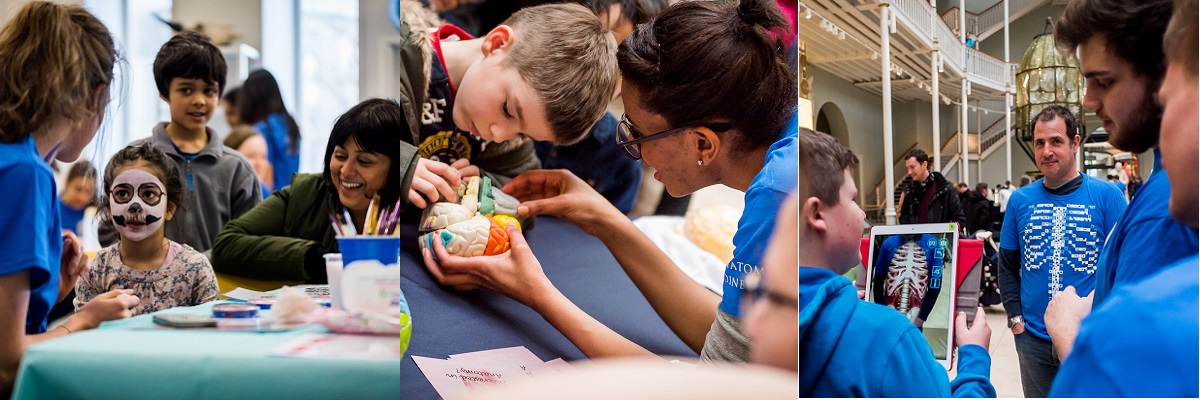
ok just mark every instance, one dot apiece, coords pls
pixel 1006 372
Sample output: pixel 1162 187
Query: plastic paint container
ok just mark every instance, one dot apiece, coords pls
pixel 235 310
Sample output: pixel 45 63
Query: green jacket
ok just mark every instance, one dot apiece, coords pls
pixel 275 239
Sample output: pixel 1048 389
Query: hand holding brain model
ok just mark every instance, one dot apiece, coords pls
pixel 475 226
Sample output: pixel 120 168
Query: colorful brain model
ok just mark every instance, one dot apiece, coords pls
pixel 475 226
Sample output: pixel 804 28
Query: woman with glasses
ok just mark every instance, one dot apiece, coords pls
pixel 709 99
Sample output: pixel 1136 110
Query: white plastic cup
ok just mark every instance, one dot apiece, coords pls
pixel 333 269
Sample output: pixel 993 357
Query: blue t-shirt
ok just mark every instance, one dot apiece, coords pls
pixel 1121 186
pixel 33 240
pixel 70 218
pixel 1059 238
pixel 1142 342
pixel 852 348
pixel 599 161
pixel 778 178
pixel 1145 240
pixel 285 162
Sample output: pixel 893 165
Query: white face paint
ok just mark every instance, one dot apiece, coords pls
pixel 138 204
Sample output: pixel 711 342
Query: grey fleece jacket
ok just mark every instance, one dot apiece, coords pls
pixel 220 186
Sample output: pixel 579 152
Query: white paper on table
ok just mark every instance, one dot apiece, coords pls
pixel 518 356
pixel 341 347
pixel 555 365
pixel 247 294
pixel 318 292
pixel 453 377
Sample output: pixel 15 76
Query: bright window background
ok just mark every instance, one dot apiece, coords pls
pixel 135 106
pixel 328 61
pixel 310 45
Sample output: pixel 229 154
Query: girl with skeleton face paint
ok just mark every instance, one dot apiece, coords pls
pixel 144 188
pixel 138 204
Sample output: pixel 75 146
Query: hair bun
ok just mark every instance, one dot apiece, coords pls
pixel 764 14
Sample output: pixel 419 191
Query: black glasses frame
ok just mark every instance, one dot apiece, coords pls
pixel 636 152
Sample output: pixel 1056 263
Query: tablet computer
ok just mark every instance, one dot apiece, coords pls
pixel 911 269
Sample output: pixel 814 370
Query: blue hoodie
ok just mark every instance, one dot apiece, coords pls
pixel 1143 342
pixel 852 348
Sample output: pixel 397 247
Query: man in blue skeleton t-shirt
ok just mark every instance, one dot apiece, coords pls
pixel 1059 224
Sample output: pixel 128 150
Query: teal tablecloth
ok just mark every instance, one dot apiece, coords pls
pixel 119 361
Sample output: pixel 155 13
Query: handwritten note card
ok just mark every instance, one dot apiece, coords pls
pixel 462 373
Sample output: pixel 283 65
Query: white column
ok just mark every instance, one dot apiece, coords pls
pixel 963 169
pixel 979 130
pixel 1008 90
pixel 889 174
pixel 962 41
pixel 937 133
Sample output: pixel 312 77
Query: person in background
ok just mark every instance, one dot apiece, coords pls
pixel 930 198
pixel 1135 183
pixel 253 146
pixel 78 195
pixel 1116 181
pixel 229 104
pixel 260 104
pixel 1003 193
pixel 979 209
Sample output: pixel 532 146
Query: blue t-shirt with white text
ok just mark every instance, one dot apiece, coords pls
pixel 777 179
pixel 1059 239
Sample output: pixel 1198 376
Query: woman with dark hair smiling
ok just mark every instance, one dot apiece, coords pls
pixel 709 99
pixel 284 237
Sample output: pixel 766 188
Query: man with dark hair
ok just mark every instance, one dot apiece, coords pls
pixel 1121 55
pixel 930 198
pixel 1157 355
pixel 1058 224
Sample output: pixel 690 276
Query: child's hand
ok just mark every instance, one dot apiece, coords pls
pixel 465 169
pixel 112 305
pixel 978 334
pixel 433 180
pixel 73 264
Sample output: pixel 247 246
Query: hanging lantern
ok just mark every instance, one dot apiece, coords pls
pixel 1047 77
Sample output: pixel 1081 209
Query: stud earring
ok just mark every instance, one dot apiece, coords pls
pixel 699 162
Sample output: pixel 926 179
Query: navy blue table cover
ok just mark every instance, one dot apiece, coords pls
pixel 448 322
